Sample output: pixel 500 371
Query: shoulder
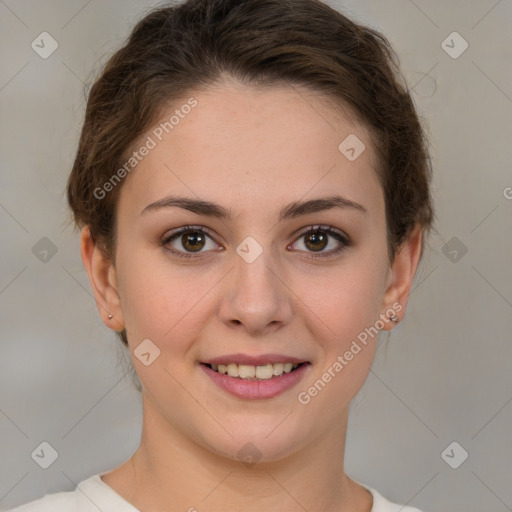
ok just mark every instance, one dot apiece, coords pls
pixel 381 504
pixel 90 495
pixel 60 501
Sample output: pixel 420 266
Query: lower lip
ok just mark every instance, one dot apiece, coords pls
pixel 256 389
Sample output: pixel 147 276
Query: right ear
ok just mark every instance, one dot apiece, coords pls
pixel 102 276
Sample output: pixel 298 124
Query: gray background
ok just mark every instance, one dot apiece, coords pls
pixel 443 376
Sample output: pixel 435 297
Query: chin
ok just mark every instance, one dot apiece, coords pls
pixel 259 442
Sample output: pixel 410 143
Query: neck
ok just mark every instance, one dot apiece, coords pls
pixel 170 468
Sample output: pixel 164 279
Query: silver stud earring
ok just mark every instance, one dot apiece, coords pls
pixel 393 318
pixel 110 317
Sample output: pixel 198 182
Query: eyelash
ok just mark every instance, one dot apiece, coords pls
pixel 338 235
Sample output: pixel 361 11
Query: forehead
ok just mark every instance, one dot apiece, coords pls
pixel 252 146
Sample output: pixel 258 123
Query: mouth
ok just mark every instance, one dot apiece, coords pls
pixel 252 372
pixel 255 377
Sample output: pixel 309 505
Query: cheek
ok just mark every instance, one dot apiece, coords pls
pixel 344 300
pixel 161 301
pixel 348 305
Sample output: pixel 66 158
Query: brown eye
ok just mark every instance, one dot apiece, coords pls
pixel 187 241
pixel 316 239
pixel 193 241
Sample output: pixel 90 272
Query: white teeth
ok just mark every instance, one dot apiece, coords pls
pixel 245 371
pixel 233 370
pixel 249 372
pixel 264 372
pixel 277 369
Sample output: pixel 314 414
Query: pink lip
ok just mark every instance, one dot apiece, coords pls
pixel 256 389
pixel 260 360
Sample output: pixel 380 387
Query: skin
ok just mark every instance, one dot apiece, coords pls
pixel 253 151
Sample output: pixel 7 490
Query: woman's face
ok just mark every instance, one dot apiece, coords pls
pixel 255 287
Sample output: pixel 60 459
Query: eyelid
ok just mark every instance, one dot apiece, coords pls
pixel 184 229
pixel 323 227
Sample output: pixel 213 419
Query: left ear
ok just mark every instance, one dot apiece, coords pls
pixel 401 275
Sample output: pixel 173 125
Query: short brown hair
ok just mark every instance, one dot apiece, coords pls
pixel 178 49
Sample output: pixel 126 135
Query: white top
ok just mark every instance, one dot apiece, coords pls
pixel 94 494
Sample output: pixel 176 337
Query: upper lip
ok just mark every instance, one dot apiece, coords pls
pixel 260 360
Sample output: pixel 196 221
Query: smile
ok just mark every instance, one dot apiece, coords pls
pixel 260 380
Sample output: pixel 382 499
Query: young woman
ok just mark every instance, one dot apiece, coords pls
pixel 252 183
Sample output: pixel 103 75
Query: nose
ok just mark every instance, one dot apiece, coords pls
pixel 256 297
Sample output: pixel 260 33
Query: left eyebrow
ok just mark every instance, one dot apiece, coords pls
pixel 297 208
pixel 292 210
